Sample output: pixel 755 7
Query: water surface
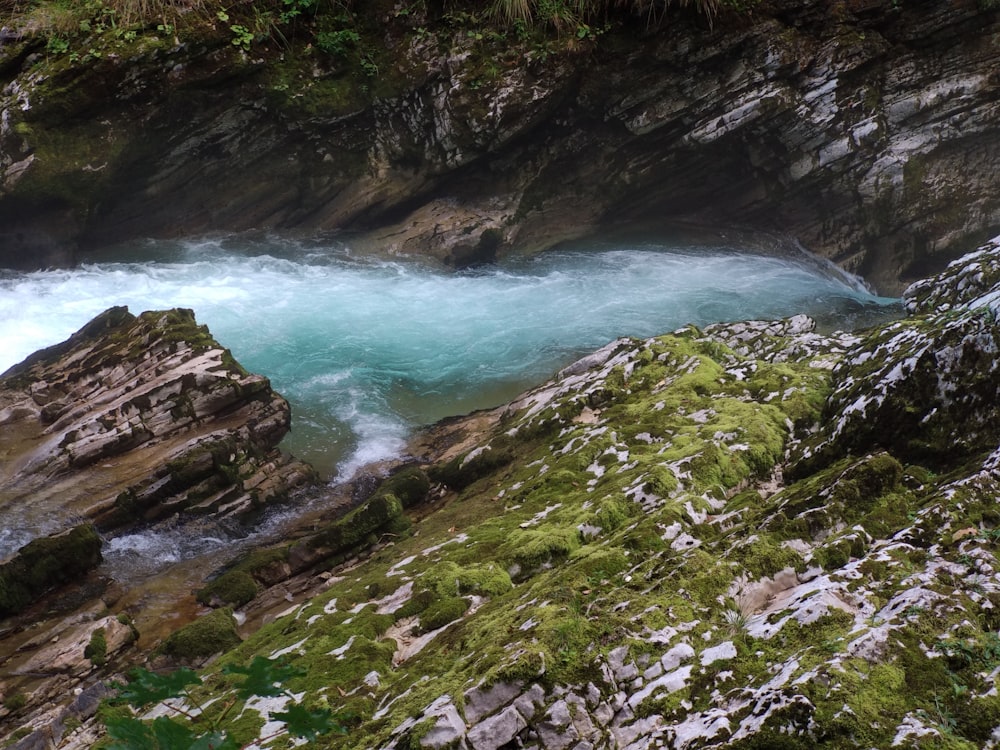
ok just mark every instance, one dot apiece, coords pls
pixel 367 349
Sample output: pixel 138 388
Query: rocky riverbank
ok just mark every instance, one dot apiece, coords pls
pixel 748 535
pixel 866 129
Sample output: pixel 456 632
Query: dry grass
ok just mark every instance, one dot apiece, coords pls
pixel 557 12
pixel 63 17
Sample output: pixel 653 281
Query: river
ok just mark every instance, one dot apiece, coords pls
pixel 368 349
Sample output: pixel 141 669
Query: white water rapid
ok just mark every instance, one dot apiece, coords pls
pixel 365 350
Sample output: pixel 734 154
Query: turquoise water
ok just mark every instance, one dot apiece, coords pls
pixel 368 349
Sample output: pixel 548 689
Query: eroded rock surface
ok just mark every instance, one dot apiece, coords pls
pixel 674 544
pixel 134 419
pixel 868 130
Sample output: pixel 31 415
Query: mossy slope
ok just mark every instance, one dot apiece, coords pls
pixel 635 572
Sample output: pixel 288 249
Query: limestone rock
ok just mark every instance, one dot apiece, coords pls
pixel 866 130
pixel 925 387
pixel 136 418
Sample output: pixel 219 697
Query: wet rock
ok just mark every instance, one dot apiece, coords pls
pixel 142 418
pixel 43 564
pixel 868 131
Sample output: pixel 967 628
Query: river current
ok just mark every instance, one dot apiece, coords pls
pixel 368 349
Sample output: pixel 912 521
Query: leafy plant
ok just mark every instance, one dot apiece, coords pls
pixel 242 36
pixel 187 729
pixel 57 45
pixel 338 42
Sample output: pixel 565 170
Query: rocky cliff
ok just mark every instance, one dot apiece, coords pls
pixel 134 419
pixel 751 535
pixel 867 129
pixel 131 421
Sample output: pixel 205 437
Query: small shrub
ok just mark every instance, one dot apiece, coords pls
pixel 337 43
pixel 97 649
pixel 15 701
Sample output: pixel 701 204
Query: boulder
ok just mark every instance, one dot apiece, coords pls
pixel 136 418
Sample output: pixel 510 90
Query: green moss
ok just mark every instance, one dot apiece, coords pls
pixel 45 563
pixel 449 579
pixel 598 562
pixel 208 635
pixel 97 649
pixel 763 557
pixel 462 471
pixel 233 589
pixel 417 604
pixel 443 611
pixel 530 548
pixel 246 728
pixel 381 514
pixel 410 485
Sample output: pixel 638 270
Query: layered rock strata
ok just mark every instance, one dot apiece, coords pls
pixel 867 130
pixel 751 535
pixel 134 419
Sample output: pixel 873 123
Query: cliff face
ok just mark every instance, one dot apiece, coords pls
pixel 866 129
pixel 135 419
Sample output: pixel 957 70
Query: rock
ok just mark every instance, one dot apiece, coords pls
pixel 867 131
pixel 449 727
pixel 497 730
pixel 141 418
pixel 481 702
pixel 925 387
pixel 46 563
pixel 69 654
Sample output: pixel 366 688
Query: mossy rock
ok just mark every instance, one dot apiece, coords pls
pixel 233 589
pixel 210 634
pixel 463 471
pixel 410 485
pixel 246 577
pixel 381 514
pixel 449 579
pixel 45 563
pixel 442 612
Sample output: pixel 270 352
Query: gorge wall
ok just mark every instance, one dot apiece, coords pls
pixel 866 129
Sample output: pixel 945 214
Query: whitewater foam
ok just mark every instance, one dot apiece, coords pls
pixel 367 349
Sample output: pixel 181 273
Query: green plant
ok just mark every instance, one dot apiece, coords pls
pixel 97 649
pixel 295 8
pixel 57 45
pixel 186 728
pixel 242 36
pixel 15 701
pixel 337 43
pixel 369 66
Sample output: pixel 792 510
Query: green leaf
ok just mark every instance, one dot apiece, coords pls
pixel 171 735
pixel 214 741
pixel 263 677
pixel 301 722
pixel 130 733
pixel 147 687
